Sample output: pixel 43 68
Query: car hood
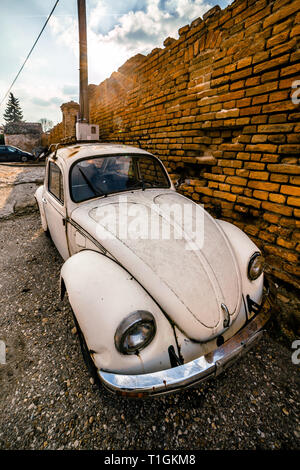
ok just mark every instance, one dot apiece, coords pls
pixel 195 281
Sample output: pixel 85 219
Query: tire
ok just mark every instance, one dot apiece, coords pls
pixel 24 159
pixel 86 354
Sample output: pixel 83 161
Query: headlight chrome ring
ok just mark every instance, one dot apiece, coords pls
pixel 135 332
pixel 255 266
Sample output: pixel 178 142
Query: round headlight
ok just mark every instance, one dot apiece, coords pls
pixel 255 266
pixel 135 332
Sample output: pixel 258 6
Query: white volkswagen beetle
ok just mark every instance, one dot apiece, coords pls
pixel 163 295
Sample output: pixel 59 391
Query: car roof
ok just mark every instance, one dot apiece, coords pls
pixel 78 151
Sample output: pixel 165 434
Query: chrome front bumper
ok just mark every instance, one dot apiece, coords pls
pixel 198 370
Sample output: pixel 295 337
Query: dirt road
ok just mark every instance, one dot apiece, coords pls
pixel 48 402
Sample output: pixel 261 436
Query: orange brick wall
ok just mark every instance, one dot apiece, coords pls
pixel 65 130
pixel 56 134
pixel 218 101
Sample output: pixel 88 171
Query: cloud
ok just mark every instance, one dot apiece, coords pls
pixel 40 101
pixel 119 30
pixel 103 14
pixel 116 31
pixel 70 89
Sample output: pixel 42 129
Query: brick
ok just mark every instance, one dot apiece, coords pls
pixel 293 201
pixel 284 168
pixel 262 148
pixel 272 218
pixel 249 202
pixel 279 96
pixel 251 230
pixel 252 81
pixel 287 222
pixel 237 189
pixel 263 185
pixel 277 208
pixel 259 175
pixel 267 87
pixel 264 195
pixel 224 195
pixel 230 163
pixel 269 157
pixel 289 149
pixel 268 76
pixel 278 178
pixel 259 138
pixel 290 190
pixel 279 107
pixel 295 31
pixel 236 180
pixel 278 198
pixel 259 119
pixel 285 243
pixel 245 62
pixel 278 38
pixel 278 61
pixel 261 57
pixel 276 128
pixel 295 180
pixel 281 14
pixel 241 74
pixel 249 111
pixel 290 70
pixel 277 118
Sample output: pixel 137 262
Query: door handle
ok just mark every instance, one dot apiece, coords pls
pixel 44 200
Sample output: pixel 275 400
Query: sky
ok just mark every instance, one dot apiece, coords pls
pixel 117 30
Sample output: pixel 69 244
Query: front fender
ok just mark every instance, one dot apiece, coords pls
pixel 102 294
pixel 244 248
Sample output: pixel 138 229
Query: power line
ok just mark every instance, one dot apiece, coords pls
pixel 30 51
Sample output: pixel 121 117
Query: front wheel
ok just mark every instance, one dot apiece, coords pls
pixel 24 159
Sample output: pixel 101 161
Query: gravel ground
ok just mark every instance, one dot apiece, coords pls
pixel 18 184
pixel 47 400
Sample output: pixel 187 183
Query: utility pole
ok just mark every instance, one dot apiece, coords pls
pixel 83 63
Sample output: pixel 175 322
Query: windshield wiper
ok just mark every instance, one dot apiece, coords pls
pixel 91 185
pixel 140 182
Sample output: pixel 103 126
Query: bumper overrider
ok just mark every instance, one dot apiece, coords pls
pixel 200 369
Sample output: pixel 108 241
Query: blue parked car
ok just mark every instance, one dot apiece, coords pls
pixel 8 153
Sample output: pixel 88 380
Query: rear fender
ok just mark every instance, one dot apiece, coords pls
pixel 102 294
pixel 38 196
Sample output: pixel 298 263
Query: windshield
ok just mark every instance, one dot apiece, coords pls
pixel 99 176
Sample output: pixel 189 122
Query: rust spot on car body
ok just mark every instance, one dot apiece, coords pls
pixel 73 151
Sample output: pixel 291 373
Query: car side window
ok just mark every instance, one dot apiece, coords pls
pixel 55 182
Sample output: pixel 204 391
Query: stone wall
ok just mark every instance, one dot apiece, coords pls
pixel 65 130
pixel 218 101
pixel 24 135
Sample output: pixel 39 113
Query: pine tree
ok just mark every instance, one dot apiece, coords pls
pixel 13 112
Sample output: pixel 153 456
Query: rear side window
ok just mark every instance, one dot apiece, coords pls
pixel 55 182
